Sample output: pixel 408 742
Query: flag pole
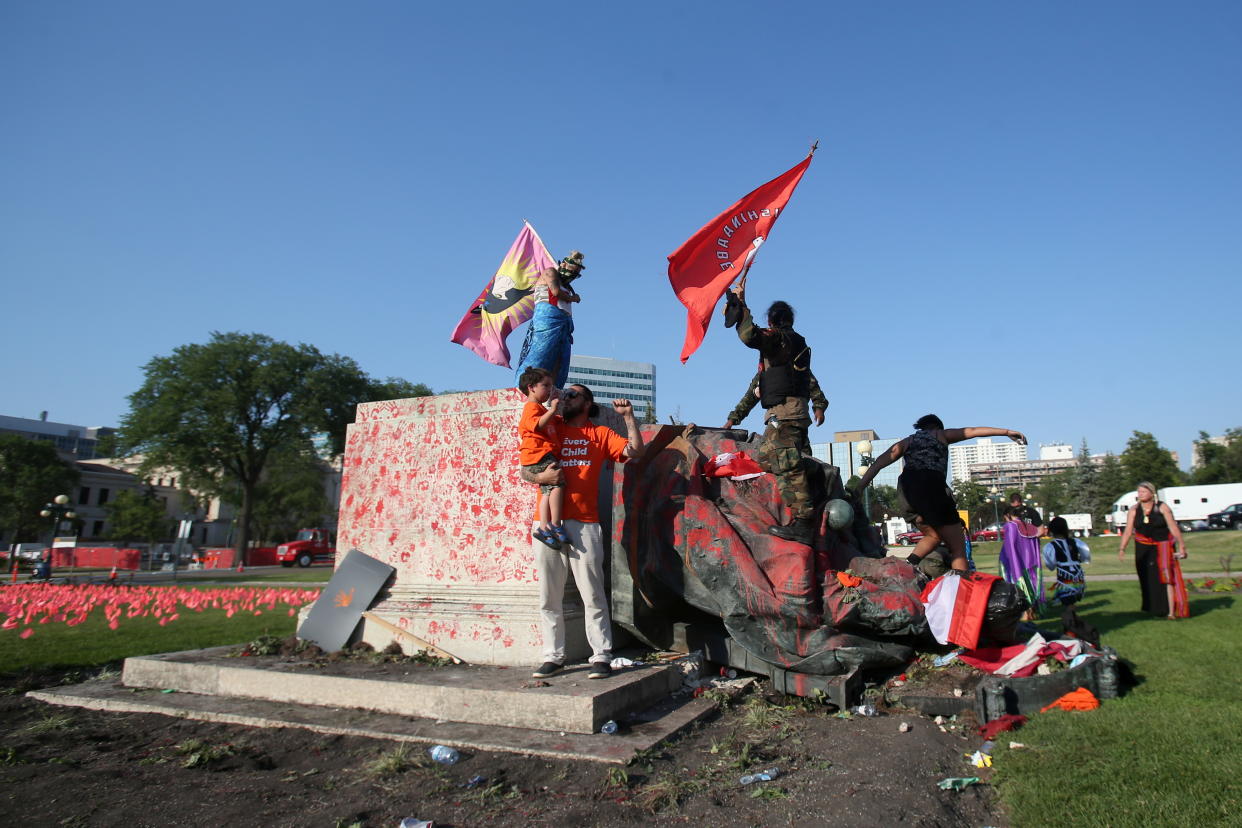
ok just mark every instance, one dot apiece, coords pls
pixel 537 236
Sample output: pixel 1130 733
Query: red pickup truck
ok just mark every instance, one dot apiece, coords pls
pixel 311 546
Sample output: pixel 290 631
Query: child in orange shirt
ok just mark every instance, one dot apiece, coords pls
pixel 539 449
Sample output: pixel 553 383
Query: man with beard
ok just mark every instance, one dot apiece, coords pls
pixel 586 449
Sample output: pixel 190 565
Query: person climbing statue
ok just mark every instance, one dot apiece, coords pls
pixel 550 335
pixel 784 392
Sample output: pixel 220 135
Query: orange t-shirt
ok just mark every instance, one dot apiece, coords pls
pixel 584 451
pixel 534 444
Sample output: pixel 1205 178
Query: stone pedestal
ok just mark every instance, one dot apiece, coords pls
pixel 431 487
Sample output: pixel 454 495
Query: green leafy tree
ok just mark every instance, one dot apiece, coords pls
pixel 973 497
pixel 883 500
pixel 1219 463
pixel 1055 493
pixel 1145 459
pixel 218 412
pixel 134 516
pixel 1083 494
pixel 1111 482
pixel 31 475
pixel 291 495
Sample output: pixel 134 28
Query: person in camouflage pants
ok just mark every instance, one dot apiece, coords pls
pixel 785 391
pixel 819 404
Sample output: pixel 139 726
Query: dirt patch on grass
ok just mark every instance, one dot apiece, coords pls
pixel 68 766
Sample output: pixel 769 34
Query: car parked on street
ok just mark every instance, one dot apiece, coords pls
pixel 909 538
pixel 1228 518
pixel 985 535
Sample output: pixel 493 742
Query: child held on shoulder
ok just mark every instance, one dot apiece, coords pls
pixel 539 450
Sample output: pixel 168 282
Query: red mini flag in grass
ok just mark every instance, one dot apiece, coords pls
pixel 702 269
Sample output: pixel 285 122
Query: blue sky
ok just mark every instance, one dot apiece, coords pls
pixel 1024 215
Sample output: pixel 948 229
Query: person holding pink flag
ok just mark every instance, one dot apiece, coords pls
pixel 550 335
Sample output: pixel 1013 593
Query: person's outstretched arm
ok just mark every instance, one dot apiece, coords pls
pixel 957 435
pixel 883 461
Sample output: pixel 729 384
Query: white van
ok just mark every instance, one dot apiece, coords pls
pixel 1190 504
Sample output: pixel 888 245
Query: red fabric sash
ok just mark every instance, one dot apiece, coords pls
pixel 1170 572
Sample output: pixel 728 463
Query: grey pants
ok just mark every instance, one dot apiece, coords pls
pixel 584 556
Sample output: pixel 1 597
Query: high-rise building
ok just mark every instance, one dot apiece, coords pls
pixel 986 450
pixel 843 453
pixel 611 378
pixel 1020 475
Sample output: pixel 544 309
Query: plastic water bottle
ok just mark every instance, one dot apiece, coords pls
pixel 762 776
pixel 867 709
pixel 444 755
pixel 608 728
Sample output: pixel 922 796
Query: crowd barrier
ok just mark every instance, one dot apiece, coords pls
pixel 88 557
pixel 226 557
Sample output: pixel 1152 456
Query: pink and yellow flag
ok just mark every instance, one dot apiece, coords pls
pixel 506 302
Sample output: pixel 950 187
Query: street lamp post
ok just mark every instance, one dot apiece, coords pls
pixel 864 460
pixel 58 510
pixel 995 497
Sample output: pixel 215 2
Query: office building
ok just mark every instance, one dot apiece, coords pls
pixel 73 442
pixel 612 378
pixel 1022 475
pixel 985 450
pixel 843 453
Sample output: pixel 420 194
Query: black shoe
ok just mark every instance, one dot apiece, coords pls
pixel 733 309
pixel 799 531
pixel 549 668
pixel 600 670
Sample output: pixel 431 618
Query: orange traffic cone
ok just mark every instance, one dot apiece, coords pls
pixel 241 567
pixel 112 575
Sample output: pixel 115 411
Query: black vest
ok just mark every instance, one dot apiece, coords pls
pixel 787 372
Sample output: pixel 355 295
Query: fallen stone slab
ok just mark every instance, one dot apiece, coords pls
pixel 471 694
pixel 640 731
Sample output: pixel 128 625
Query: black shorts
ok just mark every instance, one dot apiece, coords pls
pixel 924 493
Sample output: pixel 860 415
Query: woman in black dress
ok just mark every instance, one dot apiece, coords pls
pixel 1156 534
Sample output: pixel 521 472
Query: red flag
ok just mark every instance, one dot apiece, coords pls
pixel 702 269
pixel 955 606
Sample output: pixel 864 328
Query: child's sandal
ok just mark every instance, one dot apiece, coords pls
pixel 559 531
pixel 547 538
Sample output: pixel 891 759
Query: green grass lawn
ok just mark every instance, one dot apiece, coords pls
pixel 1205 550
pixel 1167 752
pixel 309 575
pixel 312 576
pixel 93 643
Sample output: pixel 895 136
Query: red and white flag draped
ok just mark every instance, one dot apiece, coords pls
pixel 955 607
pixel 507 300
pixel 702 269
